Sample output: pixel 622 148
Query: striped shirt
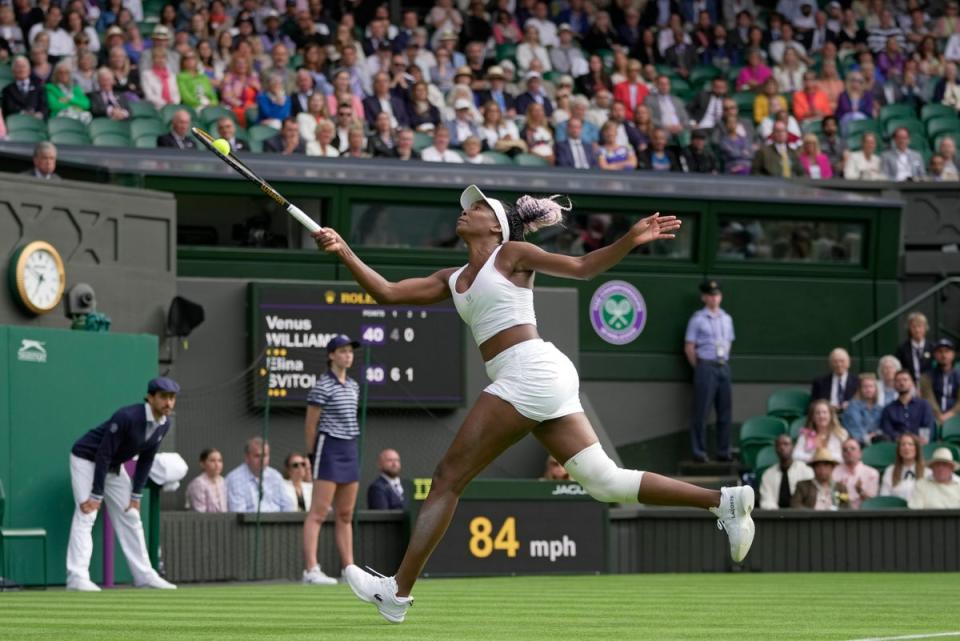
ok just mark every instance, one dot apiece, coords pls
pixel 339 402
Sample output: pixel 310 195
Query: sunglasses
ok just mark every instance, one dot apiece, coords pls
pixel 299 464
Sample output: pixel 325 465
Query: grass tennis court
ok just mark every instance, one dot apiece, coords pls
pixel 730 607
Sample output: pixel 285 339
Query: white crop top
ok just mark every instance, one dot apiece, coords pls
pixel 492 303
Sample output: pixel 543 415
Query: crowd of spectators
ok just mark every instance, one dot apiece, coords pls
pixel 698 86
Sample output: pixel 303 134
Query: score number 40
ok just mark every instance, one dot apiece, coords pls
pixel 483 545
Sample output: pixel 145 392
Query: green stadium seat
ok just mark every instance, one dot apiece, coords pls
pixel 26 135
pixel 20 122
pixel 883 503
pixel 111 139
pixel 732 75
pixel 148 141
pixel 242 134
pixel 143 109
pixel 914 126
pixel 703 73
pixel 18 534
pixel 101 126
pixel 681 88
pixel 252 114
pixel 530 160
pixel 607 56
pixel 152 8
pixel 259 133
pixel 757 433
pixel 213 113
pixel 6 72
pixel 950 431
pixel 506 51
pixel 937 111
pixel 61 125
pixel 168 110
pixel 880 455
pixel 812 127
pixel 765 458
pixel 796 425
pixel 146 28
pixel 938 126
pixel 70 138
pixel 295 61
pixel 497 157
pixel 901 112
pixel 854 143
pixel 857 127
pixel 929 449
pixel 744 100
pixel 788 404
pixel 421 141
pixel 147 126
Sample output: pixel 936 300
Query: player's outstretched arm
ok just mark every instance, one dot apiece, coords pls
pixel 529 257
pixel 418 291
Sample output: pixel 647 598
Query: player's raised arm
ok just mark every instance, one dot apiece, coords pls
pixel 419 291
pixel 529 257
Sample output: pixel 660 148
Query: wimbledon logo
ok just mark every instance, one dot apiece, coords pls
pixel 618 312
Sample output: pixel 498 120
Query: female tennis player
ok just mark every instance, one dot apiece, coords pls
pixel 535 388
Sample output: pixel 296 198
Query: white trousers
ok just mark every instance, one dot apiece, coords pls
pixel 127 524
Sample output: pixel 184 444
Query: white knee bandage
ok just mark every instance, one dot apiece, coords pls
pixel 600 476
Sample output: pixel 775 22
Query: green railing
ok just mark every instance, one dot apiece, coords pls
pixel 858 340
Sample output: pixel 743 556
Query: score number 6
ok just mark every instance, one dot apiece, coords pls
pixel 482 545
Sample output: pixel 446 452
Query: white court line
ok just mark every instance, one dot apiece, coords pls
pixel 913 636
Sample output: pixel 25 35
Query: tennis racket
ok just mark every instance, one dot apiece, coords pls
pixel 265 187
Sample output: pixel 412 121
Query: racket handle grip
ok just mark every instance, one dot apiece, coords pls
pixel 304 220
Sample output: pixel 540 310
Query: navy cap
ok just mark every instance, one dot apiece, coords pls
pixel 339 341
pixel 944 342
pixel 710 286
pixel 162 384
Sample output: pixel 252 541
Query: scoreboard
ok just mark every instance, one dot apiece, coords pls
pixel 410 355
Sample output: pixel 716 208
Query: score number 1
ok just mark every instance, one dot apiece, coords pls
pixel 483 545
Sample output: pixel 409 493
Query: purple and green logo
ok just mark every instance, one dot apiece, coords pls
pixel 618 312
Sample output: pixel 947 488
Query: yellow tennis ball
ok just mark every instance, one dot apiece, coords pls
pixel 222 146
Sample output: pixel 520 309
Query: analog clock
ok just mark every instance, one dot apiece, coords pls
pixel 37 277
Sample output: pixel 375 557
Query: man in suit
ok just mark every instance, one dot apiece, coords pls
pixel 821 492
pixel 498 92
pixel 44 162
pixel 534 93
pixel 840 385
pixel 632 91
pixel 706 110
pixel 179 136
pixel 287 142
pixel 25 94
pixel 104 103
pixel 777 159
pixel 916 353
pixel 305 87
pixel 902 163
pixel 386 492
pixel 682 55
pixel 666 110
pixel 228 131
pixel 97 474
pixel 383 100
pixel 574 152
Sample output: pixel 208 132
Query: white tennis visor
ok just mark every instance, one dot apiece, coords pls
pixel 472 194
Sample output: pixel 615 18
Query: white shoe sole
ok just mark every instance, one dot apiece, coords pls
pixel 744 506
pixel 347 573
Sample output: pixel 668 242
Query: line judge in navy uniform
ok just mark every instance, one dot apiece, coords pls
pixel 97 474
pixel 386 492
pixel 331 430
pixel 941 385
pixel 708 341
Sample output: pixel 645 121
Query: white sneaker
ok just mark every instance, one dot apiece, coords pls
pixel 733 516
pixel 315 576
pixel 156 582
pixel 82 585
pixel 380 591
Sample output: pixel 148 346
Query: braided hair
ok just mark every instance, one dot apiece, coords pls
pixel 530 214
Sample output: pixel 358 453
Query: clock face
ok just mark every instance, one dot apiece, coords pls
pixel 40 278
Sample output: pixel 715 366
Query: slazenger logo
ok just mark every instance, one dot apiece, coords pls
pixel 572 489
pixel 32 351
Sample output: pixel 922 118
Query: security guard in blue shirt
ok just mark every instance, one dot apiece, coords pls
pixel 708 341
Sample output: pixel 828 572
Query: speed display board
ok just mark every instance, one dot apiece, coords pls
pixel 410 355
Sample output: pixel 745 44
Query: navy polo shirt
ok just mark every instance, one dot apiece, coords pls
pixel 898 418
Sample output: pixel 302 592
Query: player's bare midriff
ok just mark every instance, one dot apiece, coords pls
pixel 506 339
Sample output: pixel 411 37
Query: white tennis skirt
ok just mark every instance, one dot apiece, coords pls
pixel 537 379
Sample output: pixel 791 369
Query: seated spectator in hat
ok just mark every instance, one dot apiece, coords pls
pixel 287 142
pixel 779 482
pixel 900 478
pixel 611 155
pixel 566 56
pixel 860 481
pixel 574 151
pixel 534 94
pixel 386 491
pixel 243 482
pixel 861 418
pixel 273 104
pixel 420 110
pixel 940 386
pixel 323 141
pixel 839 386
pixel 554 471
pixel 941 490
pixel 753 76
pixel 657 157
pixel 865 163
pixel 908 413
pixel 815 163
pixel 440 150
pixel 462 126
pixel 207 492
pixel 460 92
pixel 777 158
pixel 697 158
pixel 822 430
pixel 821 492
pixel 666 110
pixel 736 149
pixel 810 102
pixel 497 92
pixel 297 484
pixel 179 136
pixel 537 132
